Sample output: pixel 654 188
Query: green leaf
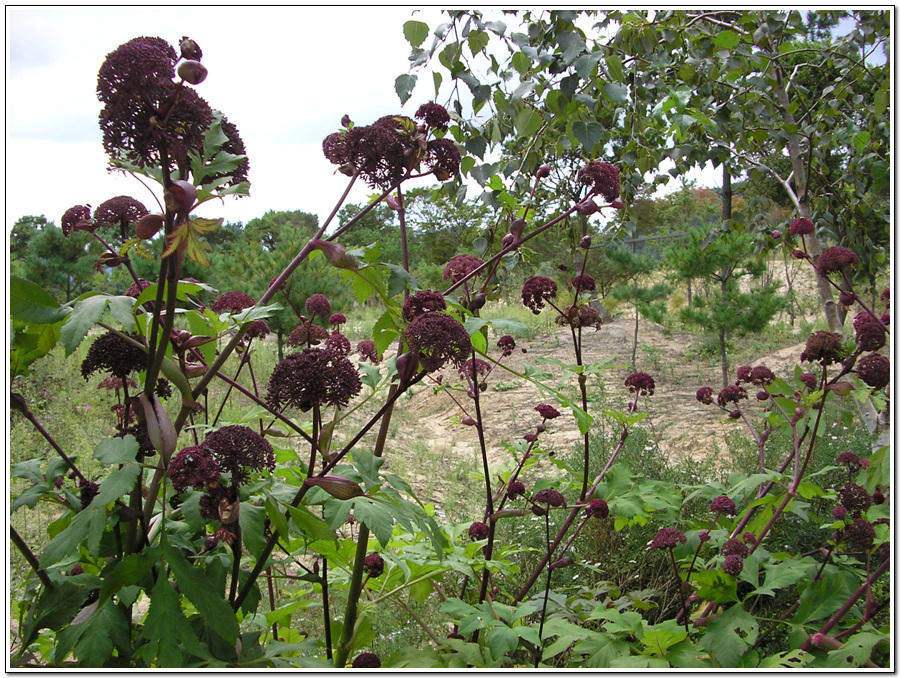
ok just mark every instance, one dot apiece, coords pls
pixel 478 40
pixel 376 516
pixel 502 640
pixel 614 64
pixel 589 134
pixel 730 635
pixel 83 317
pixel 106 625
pixel 314 528
pixel 856 651
pixel 30 304
pixel 193 582
pixel 87 524
pixel 54 609
pixel 253 520
pixel 727 39
pixel 404 85
pixel 528 121
pixel 129 571
pixel 882 100
pixel 659 639
pixel 521 63
pixel 165 627
pixel 117 450
pixel 415 32
pixel 618 93
pixel 823 597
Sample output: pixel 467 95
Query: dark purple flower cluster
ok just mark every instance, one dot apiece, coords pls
pixel 667 538
pixel 854 498
pixel 134 290
pixel 603 179
pixel 470 367
pixel 733 565
pixel 215 502
pixel 437 338
pixel 731 394
pixel 233 302
pixel 338 343
pixel 314 376
pixel 258 329
pixel 835 259
pixel 860 534
pixel 74 216
pixel 478 531
pixel 550 497
pixel 597 508
pixel 337 319
pixel 536 292
pixel 318 305
pixel 849 459
pixel 516 489
pixel 87 493
pixel 239 450
pixel 547 411
pixel 460 266
pixel 443 157
pixel 307 333
pixel 120 212
pixel 507 345
pixel 140 433
pixel 875 370
pixel 723 504
pixel 144 109
pixel 374 565
pixel 434 115
pixel 743 374
pixel 823 347
pixel 583 283
pixel 580 316
pixel 641 383
pixel 423 302
pixel 366 349
pixel 382 153
pixel 809 380
pixel 194 467
pixel 113 354
pixel 366 660
pixel 802 226
pixel 735 547
pixel 704 395
pixel 870 335
pixel 762 376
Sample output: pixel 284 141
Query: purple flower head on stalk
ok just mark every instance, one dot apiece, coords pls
pixel 114 355
pixel 74 216
pixel 809 380
pixel 443 158
pixel 337 319
pixel 854 498
pixel 194 467
pixel 233 302
pixel 580 316
pixel 584 283
pixel 434 115
pixel 603 179
pixel 836 259
pixel 258 329
pixel 875 370
pixel 802 226
pixel 870 335
pixel 120 212
pixel 762 376
pixel 239 450
pixel 516 489
pixel 878 498
pixel 382 152
pixel 134 290
pixel 530 438
pixel 641 383
pixel 667 538
pixel 860 534
pixel 374 565
pixel 144 109
pixel 704 395
pixel 215 498
pixel 468 368
pixel 318 305
pixel 731 394
pixel 733 565
pixel 507 345
pixel 735 547
pixel 338 343
pixel 116 383
pixel 536 292
pixel 460 266
pixel 597 508
pixel 366 349
pixel 87 493
pixel 366 660
pixel 550 497
pixel 478 531
pixel 743 374
pixel 749 537
pixel 423 302
pixel 547 411
pixel 437 338
pixel 307 333
pixel 314 376
pixel 848 459
pixel 723 504
pixel 823 347
pixel 334 148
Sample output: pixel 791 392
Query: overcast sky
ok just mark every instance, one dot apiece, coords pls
pixel 283 75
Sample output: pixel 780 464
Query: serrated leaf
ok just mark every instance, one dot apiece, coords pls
pixel 117 450
pixel 31 304
pixel 131 570
pixel 165 627
pixel 192 581
pixel 54 609
pixel 314 528
pixel 730 635
pixel 376 517
pixel 502 640
pixel 415 32
pixel 85 314
pixel 87 524
pixel 104 627
pixel 823 597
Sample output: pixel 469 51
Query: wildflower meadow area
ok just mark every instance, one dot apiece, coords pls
pixel 555 405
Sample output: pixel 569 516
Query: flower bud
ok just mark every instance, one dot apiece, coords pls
pixel 346 121
pixel 478 301
pixel 180 196
pixel 192 72
pixel 210 542
pixel 149 225
pixel 798 254
pixel 799 412
pixel 508 240
pixel 335 254
pixel 846 298
pixel 735 414
pixel 617 204
pixel 842 388
pixel 190 49
pixel 565 561
pixel 585 242
pixel 393 203
pixel 517 228
pixel 587 207
pixel 469 421
pixel 776 234
pixel 339 487
pixel 407 366
pixel 543 171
